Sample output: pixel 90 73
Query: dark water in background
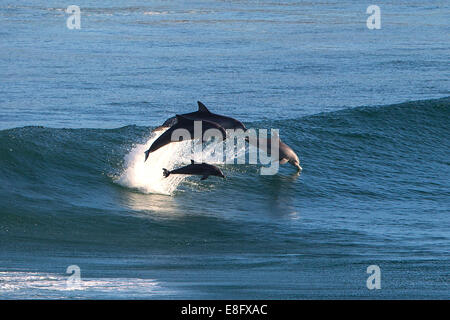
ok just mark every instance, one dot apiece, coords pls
pixel 375 185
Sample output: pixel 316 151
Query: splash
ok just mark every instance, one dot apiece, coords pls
pixel 147 176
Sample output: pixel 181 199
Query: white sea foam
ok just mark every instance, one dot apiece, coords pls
pixel 152 13
pixel 51 285
pixel 148 177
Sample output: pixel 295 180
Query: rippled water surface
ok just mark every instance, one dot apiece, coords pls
pixel 367 111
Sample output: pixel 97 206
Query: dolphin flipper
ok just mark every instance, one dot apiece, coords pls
pixel 204 177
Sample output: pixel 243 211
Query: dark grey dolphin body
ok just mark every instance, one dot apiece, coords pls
pixel 204 114
pixel 285 153
pixel 199 169
pixel 182 123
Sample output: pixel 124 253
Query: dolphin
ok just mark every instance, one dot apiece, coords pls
pixel 285 153
pixel 200 169
pixel 204 114
pixel 182 123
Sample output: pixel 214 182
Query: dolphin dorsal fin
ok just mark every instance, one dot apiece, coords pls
pixel 202 107
pixel 192 161
pixel 181 119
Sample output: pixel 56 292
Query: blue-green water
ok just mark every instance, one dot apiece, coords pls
pixel 367 111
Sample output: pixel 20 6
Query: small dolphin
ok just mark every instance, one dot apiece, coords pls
pixel 204 114
pixel 182 123
pixel 286 154
pixel 199 169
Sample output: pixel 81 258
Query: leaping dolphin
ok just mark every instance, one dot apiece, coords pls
pixel 204 114
pixel 286 154
pixel 183 123
pixel 201 169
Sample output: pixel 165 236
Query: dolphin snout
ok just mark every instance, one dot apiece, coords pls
pixel 296 164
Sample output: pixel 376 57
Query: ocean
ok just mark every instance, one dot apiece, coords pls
pixel 367 112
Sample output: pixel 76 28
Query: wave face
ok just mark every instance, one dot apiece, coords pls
pixel 375 183
pixel 404 132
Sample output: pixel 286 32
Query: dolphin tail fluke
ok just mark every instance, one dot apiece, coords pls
pixel 166 173
pixel 146 154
